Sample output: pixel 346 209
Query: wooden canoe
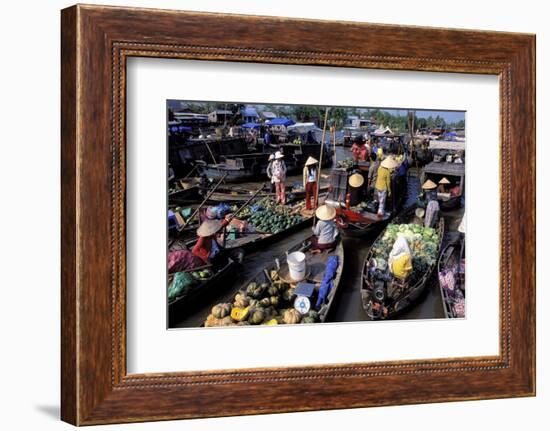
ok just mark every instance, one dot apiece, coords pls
pixel 451 255
pixel 407 294
pixel 316 269
pixel 201 291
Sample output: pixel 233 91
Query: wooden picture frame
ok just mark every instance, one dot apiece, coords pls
pixel 95 43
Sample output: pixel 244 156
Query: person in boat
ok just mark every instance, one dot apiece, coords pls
pixel 207 248
pixel 431 217
pixel 443 185
pixel 325 232
pixel 278 174
pixel 356 188
pixel 310 182
pixel 429 192
pixel 359 150
pixel 269 172
pixel 383 183
pixel 373 171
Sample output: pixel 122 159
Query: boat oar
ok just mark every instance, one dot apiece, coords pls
pixel 203 202
pixel 243 206
pixel 320 163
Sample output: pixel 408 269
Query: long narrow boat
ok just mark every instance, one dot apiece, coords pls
pixel 273 281
pixel 450 264
pixel 201 289
pixel 359 221
pixel 241 194
pixel 384 296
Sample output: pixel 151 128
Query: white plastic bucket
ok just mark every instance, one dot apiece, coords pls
pixel 297 265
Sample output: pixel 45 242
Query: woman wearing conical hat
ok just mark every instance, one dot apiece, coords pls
pixel 443 185
pixel 207 247
pixel 383 183
pixel 325 232
pixel 278 170
pixel 430 190
pixel 310 182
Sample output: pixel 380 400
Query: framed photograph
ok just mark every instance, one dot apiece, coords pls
pixel 267 215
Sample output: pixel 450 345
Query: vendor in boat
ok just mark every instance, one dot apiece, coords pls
pixel 278 176
pixel 356 188
pixel 429 190
pixel 373 168
pixel 359 150
pixel 269 172
pixel 310 182
pixel 383 183
pixel 325 232
pixel 207 248
pixel 443 185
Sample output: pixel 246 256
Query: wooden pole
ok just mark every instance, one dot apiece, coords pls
pixel 320 162
pixel 203 202
pixel 211 153
pixel 334 145
pixel 243 206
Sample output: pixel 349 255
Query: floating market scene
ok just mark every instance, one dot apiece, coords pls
pixel 303 214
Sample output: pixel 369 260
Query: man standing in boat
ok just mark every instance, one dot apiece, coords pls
pixel 278 170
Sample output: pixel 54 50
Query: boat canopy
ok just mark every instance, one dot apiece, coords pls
pixel 249 112
pixel 447 145
pixel 302 128
pixel 280 122
pixel 250 126
pixel 445 168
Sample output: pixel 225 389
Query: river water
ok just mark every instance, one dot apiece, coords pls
pixel 347 303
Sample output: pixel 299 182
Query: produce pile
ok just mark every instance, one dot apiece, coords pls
pixel 260 304
pixel 268 217
pixel 183 282
pixel 423 242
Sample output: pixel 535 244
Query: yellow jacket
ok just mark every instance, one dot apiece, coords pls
pixel 383 179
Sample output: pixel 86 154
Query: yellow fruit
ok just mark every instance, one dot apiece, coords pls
pixel 239 314
pixel 271 322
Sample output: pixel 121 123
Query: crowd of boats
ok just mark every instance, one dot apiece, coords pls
pixel 211 211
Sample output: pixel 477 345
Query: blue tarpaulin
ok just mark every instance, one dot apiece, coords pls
pixel 250 126
pixel 179 129
pixel 280 122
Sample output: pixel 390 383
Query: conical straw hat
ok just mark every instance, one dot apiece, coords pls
pixel 419 212
pixel 325 212
pixel 428 185
pixel 278 155
pixel 444 181
pixel 209 227
pixel 356 180
pixel 389 163
pixel 311 161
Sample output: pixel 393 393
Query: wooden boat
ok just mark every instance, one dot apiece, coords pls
pixel 451 258
pixel 202 289
pixel 385 299
pixel 254 240
pixel 358 221
pixel 238 193
pixel 316 264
